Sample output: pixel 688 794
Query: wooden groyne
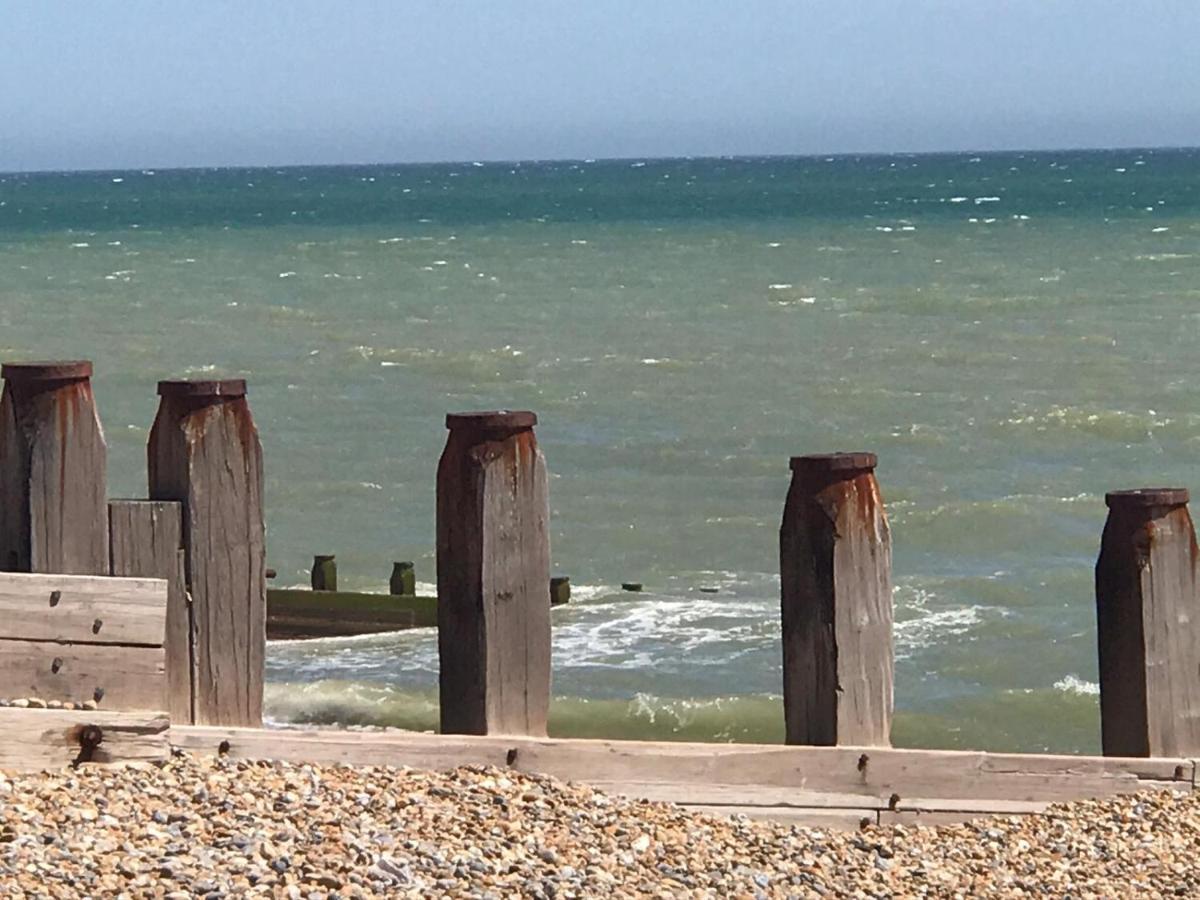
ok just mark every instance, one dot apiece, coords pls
pixel 199 538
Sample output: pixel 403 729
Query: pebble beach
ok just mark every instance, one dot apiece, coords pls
pixel 220 827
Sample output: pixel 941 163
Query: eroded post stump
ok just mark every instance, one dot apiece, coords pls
pixel 403 582
pixel 204 452
pixel 324 573
pixel 493 565
pixel 1147 620
pixel 53 462
pixel 835 558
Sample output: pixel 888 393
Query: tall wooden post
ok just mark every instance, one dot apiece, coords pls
pixel 146 540
pixel 53 461
pixel 1148 625
pixel 493 565
pixel 204 452
pixel 835 557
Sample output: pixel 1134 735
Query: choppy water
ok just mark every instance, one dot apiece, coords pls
pixel 1013 334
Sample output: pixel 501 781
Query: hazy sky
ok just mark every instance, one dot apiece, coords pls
pixel 126 84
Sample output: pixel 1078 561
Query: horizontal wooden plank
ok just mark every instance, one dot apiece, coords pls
pixel 840 819
pixel 740 795
pixel 872 773
pixel 83 608
pixel 117 677
pixel 36 739
pixel 294 613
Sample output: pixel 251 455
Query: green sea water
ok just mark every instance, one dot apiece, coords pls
pixel 1013 334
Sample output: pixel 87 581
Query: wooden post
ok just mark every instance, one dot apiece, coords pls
pixel 204 452
pixel 324 573
pixel 146 541
pixel 403 582
pixel 560 590
pixel 493 566
pixel 835 558
pixel 1147 625
pixel 52 471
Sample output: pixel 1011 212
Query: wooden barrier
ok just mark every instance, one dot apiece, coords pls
pixel 52 471
pixel 812 785
pixel 146 540
pixel 204 453
pixel 835 569
pixel 493 568
pixel 81 639
pixel 32 740
pixel 1148 616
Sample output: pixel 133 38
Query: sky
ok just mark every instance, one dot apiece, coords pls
pixel 137 83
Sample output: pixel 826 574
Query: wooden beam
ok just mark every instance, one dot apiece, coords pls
pixel 1148 625
pixel 115 676
pixel 835 557
pixel 204 452
pixel 82 608
pixel 37 739
pixel 926 775
pixel 493 564
pixel 146 538
pixel 53 463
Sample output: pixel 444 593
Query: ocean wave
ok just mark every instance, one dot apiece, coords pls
pixel 1073 684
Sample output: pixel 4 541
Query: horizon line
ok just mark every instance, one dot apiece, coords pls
pixel 476 161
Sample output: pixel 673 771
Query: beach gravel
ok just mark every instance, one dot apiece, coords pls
pixel 219 827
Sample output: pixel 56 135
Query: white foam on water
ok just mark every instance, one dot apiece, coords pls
pixel 81 244
pixel 287 274
pixel 1073 684
pixel 774 244
pixel 117 180
pixel 1159 230
pixel 979 200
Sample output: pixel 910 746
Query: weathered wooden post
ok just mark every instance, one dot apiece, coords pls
pixel 403 582
pixel 204 452
pixel 146 541
pixel 1147 625
pixel 835 557
pixel 493 566
pixel 560 590
pixel 324 573
pixel 53 460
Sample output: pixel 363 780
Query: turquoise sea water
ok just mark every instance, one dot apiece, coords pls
pixel 1013 334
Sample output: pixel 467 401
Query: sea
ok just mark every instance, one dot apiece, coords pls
pixel 1014 334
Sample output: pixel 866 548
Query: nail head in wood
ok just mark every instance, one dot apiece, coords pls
pixel 55 596
pixel 56 664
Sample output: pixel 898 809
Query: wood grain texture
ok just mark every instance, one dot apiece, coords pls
pixel 53 463
pixel 1148 632
pixel 128 678
pixel 836 604
pixel 493 563
pixel 82 608
pixel 38 739
pixel 940 780
pixel 146 538
pixel 205 453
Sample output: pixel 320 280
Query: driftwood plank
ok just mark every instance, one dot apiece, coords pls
pixel 955 775
pixel 82 608
pixel 116 676
pixel 204 452
pixel 493 563
pixel 37 739
pixel 146 538
pixel 835 561
pixel 52 471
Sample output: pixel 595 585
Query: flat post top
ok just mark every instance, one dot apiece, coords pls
pixel 1140 498
pixel 225 387
pixel 42 370
pixel 492 420
pixel 820 463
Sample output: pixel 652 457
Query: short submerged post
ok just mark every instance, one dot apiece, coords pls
pixel 403 582
pixel 204 452
pixel 835 560
pixel 493 566
pixel 53 461
pixel 324 573
pixel 1147 621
